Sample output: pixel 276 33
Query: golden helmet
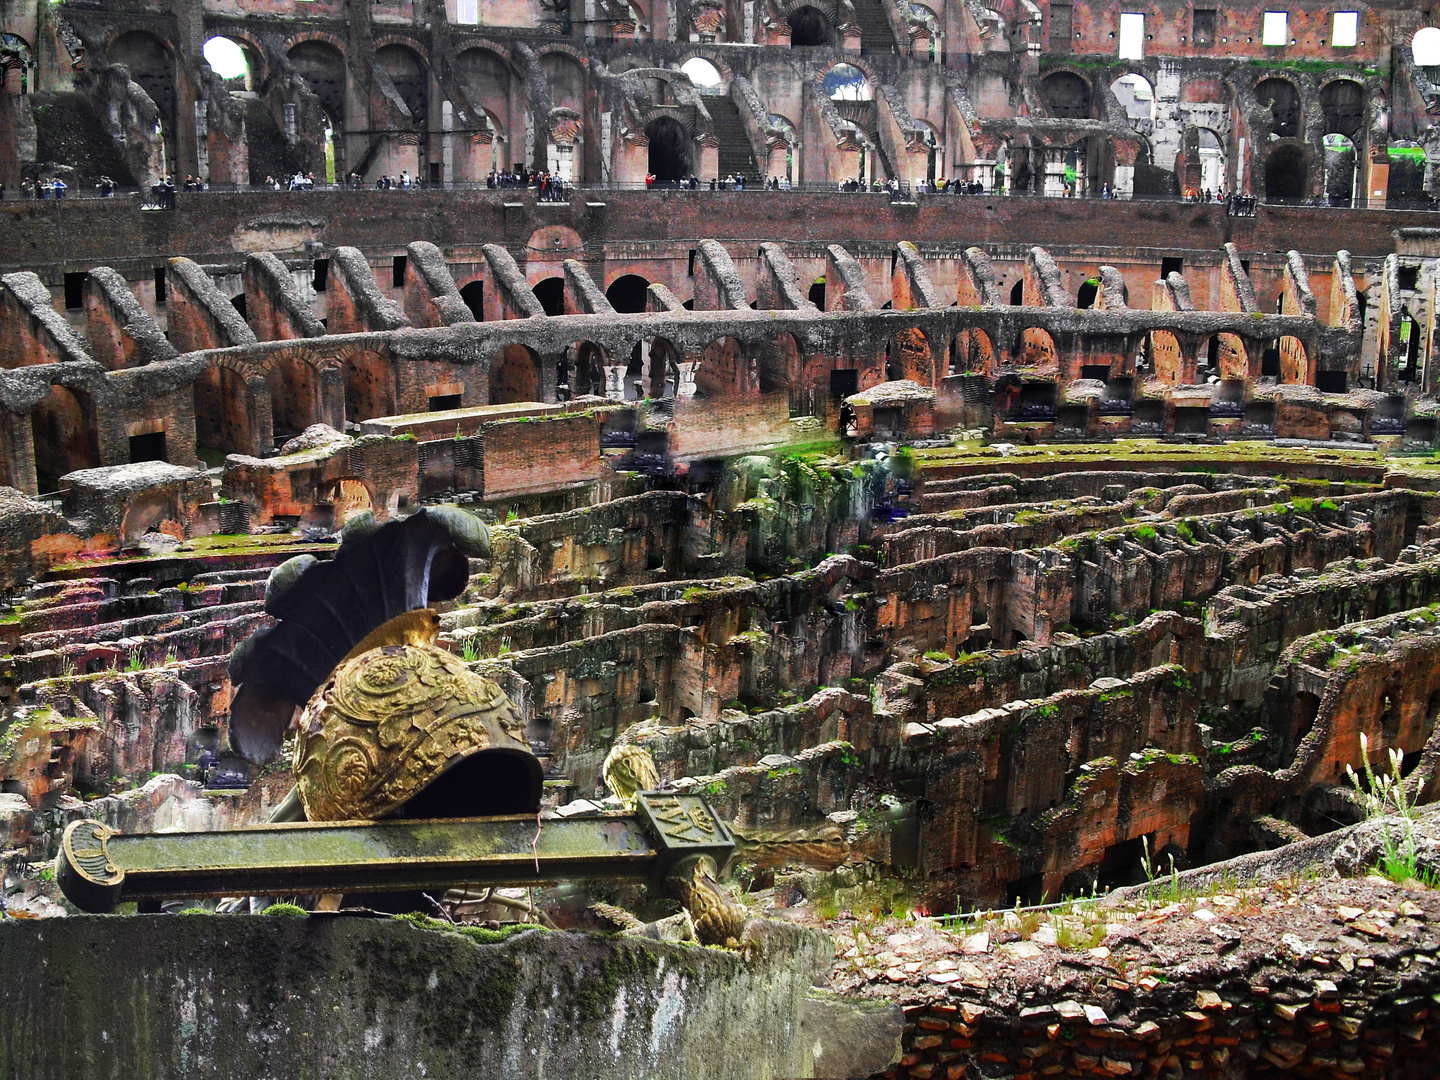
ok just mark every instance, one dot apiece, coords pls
pixel 409 731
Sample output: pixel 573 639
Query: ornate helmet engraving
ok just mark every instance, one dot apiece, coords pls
pixel 392 722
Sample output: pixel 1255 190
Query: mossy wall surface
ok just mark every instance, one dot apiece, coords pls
pixel 153 997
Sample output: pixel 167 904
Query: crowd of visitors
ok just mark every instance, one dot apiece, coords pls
pixel 550 187
pixel 51 188
pixel 164 193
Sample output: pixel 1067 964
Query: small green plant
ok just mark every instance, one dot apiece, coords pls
pixel 828 908
pixel 1382 794
pixel 285 909
pixel 937 655
pixel 1152 871
pixel 468 652
pixel 133 660
pixel 1184 531
pixel 171 656
pixel 67 667
pixel 1085 936
pixel 1143 533
pixel 1328 504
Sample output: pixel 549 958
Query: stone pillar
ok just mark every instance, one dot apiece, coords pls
pixel 331 409
pixel 615 381
pixel 258 410
pixel 1377 179
pixel 686 385
pixel 550 375
pixel 447 146
pixel 202 140
pixel 17 451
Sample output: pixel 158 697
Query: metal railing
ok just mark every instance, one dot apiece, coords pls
pixel 1238 206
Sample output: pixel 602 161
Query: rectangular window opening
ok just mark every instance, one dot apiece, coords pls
pixel 1275 29
pixel 159 284
pixel 1132 36
pixel 445 402
pixel 397 271
pixel 322 274
pixel 1202 26
pixel 1345 29
pixel 1172 265
pixel 75 290
pixel 148 447
pixel 467 12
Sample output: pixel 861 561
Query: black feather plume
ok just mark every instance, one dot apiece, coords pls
pixel 377 574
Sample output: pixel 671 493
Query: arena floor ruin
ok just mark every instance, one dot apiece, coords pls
pixel 944 604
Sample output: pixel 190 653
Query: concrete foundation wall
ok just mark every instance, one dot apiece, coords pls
pixel 253 996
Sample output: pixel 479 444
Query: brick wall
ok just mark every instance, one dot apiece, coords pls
pixel 90 232
pixel 712 427
pixel 524 456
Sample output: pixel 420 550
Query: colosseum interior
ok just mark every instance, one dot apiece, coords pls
pixel 990 452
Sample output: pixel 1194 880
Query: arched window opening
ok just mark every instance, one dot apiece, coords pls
pixel 778 125
pixel 1344 105
pixel 369 388
pixel 551 294
pixel 474 296
pixel 669 159
pixel 64 437
pixel 628 294
pixel 1211 155
pixel 1425 47
pixel 1066 96
pixel 222 419
pixel 702 73
pixel 846 82
pixel 810 28
pixel 294 398
pixel 971 353
pixel 1284 104
pixel 228 60
pixel 407 72
pixel 322 67
pixel 1136 97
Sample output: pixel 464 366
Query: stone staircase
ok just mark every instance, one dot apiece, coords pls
pixel 875 32
pixel 736 155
